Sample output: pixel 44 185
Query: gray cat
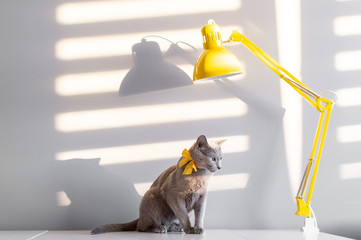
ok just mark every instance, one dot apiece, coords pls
pixel 176 192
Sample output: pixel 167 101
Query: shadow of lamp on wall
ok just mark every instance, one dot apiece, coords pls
pixel 216 62
pixel 151 72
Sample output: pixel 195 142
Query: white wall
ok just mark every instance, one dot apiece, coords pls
pixel 76 157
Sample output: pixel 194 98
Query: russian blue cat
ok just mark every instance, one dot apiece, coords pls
pixel 177 191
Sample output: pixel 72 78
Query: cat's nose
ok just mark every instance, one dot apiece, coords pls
pixel 219 167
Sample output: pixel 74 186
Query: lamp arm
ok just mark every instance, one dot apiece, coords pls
pixel 313 98
pixel 323 105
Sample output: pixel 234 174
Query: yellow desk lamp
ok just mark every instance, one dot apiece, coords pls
pixel 217 62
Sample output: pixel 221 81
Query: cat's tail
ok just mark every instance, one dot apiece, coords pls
pixel 117 227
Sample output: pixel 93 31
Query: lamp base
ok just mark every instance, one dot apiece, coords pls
pixel 310 230
pixel 310 225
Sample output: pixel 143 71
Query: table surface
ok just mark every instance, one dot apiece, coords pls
pixel 210 234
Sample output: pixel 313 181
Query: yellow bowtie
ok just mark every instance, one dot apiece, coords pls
pixel 187 159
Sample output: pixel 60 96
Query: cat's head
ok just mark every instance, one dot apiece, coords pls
pixel 207 154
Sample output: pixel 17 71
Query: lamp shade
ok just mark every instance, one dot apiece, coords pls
pixel 215 60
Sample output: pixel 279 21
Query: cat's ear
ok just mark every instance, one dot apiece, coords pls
pixel 202 141
pixel 220 142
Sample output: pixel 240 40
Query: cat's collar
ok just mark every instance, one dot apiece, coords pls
pixel 189 161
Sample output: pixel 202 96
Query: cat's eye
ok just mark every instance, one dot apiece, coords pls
pixel 214 159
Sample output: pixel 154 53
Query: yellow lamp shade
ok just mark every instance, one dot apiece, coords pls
pixel 216 63
pixel 215 60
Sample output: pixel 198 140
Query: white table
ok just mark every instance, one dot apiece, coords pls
pixel 210 234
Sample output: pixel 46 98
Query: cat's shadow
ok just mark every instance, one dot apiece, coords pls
pixel 95 195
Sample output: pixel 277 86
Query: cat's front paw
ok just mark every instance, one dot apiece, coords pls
pixel 189 230
pixel 198 230
pixel 192 230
